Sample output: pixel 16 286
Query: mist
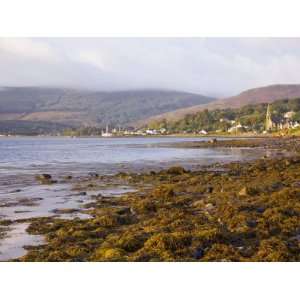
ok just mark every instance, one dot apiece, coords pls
pixel 212 66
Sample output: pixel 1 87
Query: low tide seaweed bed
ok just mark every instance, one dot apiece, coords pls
pixel 238 211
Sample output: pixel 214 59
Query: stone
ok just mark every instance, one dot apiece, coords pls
pixel 209 206
pixel 198 203
pixel 199 253
pixel 244 192
pixel 16 191
pixel 209 189
pixel 43 177
pixel 251 223
pixel 93 174
pixel 81 194
pixel 176 170
pixel 124 210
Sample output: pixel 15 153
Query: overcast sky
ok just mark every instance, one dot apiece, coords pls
pixel 211 66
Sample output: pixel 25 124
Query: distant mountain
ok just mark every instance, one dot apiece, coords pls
pixel 71 107
pixel 265 94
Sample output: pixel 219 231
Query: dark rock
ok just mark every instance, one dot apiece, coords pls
pixel 176 170
pixel 16 191
pixel 199 253
pixel 93 174
pixel 251 223
pixel 209 189
pixel 124 210
pixel 275 186
pixel 296 184
pixel 260 209
pixel 65 210
pixel 43 177
pixel 81 194
pixel 98 196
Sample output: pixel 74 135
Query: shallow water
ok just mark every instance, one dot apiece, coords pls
pixel 50 198
pixel 25 155
pixel 12 246
pixel 21 197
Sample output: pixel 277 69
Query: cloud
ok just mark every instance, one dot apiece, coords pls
pixel 27 48
pixel 214 66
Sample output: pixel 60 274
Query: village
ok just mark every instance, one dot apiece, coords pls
pixel 273 123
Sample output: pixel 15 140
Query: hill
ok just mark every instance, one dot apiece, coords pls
pixel 76 108
pixel 259 95
pixel 249 118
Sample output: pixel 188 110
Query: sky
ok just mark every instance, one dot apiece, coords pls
pixel 217 67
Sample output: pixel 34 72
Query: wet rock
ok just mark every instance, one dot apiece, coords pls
pixel 89 205
pixel 65 210
pixel 6 222
pixel 251 223
pixel 132 211
pixel 199 253
pixel 176 170
pixel 45 179
pixel 16 191
pixel 213 141
pixel 209 206
pixel 22 211
pixel 22 202
pixel 124 210
pixel 260 209
pixel 209 189
pixel 244 191
pixel 276 186
pixel 198 203
pixel 91 185
pixel 97 197
pixel 93 174
pixel 296 184
pixel 81 194
pixel 248 191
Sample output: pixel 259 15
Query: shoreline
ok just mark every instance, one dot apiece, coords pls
pixel 174 214
pixel 229 136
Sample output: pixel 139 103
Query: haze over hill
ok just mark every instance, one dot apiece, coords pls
pixel 74 108
pixel 265 94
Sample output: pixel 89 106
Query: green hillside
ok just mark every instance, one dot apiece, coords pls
pixel 82 108
pixel 251 116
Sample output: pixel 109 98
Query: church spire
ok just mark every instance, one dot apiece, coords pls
pixel 269 122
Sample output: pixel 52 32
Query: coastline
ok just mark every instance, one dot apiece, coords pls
pixel 220 212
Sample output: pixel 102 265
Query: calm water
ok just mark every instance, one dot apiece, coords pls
pixel 107 155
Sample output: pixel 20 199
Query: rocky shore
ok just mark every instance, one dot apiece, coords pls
pixel 234 212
